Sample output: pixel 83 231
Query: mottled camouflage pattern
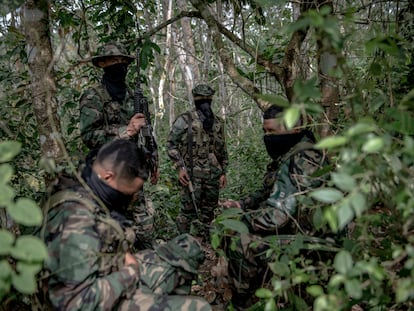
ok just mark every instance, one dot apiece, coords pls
pixel 103 119
pixel 210 160
pixel 203 90
pixel 86 256
pixel 110 50
pixel 270 211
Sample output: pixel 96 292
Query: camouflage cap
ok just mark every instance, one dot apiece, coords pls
pixel 183 251
pixel 203 90
pixel 109 50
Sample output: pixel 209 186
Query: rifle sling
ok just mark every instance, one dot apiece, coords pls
pixel 190 142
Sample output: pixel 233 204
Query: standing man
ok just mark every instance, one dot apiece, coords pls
pixel 107 113
pixel 273 209
pixel 91 265
pixel 197 146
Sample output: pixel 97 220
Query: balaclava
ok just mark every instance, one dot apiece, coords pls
pixel 114 81
pixel 203 107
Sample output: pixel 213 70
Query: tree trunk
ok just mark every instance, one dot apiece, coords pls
pixel 42 87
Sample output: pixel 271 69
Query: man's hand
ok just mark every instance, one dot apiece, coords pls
pixel 231 203
pixel 183 177
pixel 130 260
pixel 135 124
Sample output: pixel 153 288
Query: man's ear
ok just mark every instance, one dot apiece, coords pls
pixel 108 175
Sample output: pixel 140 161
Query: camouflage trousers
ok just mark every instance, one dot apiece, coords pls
pixel 142 301
pixel 166 274
pixel 198 221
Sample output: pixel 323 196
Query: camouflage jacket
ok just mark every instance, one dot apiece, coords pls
pixel 85 262
pixel 101 118
pixel 209 150
pixel 272 207
pixel 85 269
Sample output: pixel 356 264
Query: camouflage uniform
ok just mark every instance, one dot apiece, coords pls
pixel 103 119
pixel 86 262
pixel 270 211
pixel 209 159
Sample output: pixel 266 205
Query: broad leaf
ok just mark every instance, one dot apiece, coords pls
pixel 29 248
pixel 26 212
pixel 343 262
pixel 331 142
pixel 343 181
pixel 8 150
pixel 327 195
pixel 235 225
pixel 6 242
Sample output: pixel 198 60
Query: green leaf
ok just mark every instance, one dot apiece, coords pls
pixel 280 269
pixel 5 269
pixel 231 212
pixel 26 212
pixel 6 242
pixel 28 267
pixel 343 181
pixel 235 225
pixel 6 195
pixel 327 195
pixel 373 145
pixel 270 305
pixel 359 203
pixel 291 116
pixel 345 214
pixel 332 142
pixel 354 288
pixel 360 128
pixel 24 282
pixel 29 248
pixel 330 216
pixel 343 262
pixel 6 173
pixel 264 293
pixel 315 290
pixel 8 150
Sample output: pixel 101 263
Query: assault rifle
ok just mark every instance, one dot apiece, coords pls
pixel 190 188
pixel 146 139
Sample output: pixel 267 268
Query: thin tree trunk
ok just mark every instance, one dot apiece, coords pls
pixel 42 86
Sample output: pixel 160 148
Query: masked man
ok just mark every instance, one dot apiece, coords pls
pixel 107 113
pixel 274 209
pixel 197 147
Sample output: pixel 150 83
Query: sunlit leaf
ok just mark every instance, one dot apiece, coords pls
pixel 315 290
pixel 345 214
pixel 26 212
pixel 360 128
pixel 270 305
pixel 291 116
pixel 343 181
pixel 264 293
pixel 327 195
pixel 8 150
pixel 331 142
pixel 374 144
pixel 343 262
pixel 24 282
pixel 29 248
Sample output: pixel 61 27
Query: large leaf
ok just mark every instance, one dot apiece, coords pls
pixel 343 262
pixel 6 173
pixel 6 195
pixel 343 181
pixel 331 142
pixel 24 282
pixel 6 242
pixel 235 225
pixel 29 248
pixel 8 150
pixel 327 195
pixel 26 212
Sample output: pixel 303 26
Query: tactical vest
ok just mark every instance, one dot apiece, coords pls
pixel 200 148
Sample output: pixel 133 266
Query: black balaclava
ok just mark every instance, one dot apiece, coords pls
pixel 114 81
pixel 203 106
pixel 113 199
pixel 278 145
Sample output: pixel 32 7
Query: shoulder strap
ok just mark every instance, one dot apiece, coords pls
pixel 190 141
